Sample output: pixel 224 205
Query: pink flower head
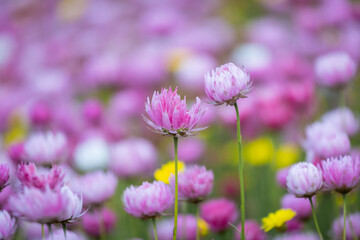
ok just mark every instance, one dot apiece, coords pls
pixel 344 119
pixel 148 200
pixel 298 236
pixel 4 175
pixel 169 115
pixel 95 187
pixel 341 174
pixel 45 148
pixel 40 114
pixel 7 225
pixel 301 206
pixel 29 177
pixel 190 150
pixel 252 231
pixel 16 152
pixel 58 234
pixel 134 156
pixel 352 226
pixel 281 176
pixel 334 69
pixel 218 213
pixel 73 210
pixel 94 221
pixel 304 180
pixel 195 183
pixel 92 111
pixel 226 84
pixel 326 140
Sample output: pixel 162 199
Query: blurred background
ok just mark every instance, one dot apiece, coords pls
pixel 86 67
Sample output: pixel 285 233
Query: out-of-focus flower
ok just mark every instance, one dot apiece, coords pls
pixel 226 84
pixel 74 206
pixel 252 231
pixel 344 119
pixel 277 220
pixel 326 140
pixel 298 236
pixel 16 132
pixel 304 180
pixel 301 206
pixel 190 150
pixel 4 175
pixel 92 154
pixel 94 221
pixel 259 151
pixel 32 230
pixel 148 200
pixel 16 152
pixel 45 148
pixel 194 184
pixel 134 156
pixel 286 155
pixel 341 174
pixel 95 187
pixel 218 213
pixel 59 235
pixel 40 114
pixel 164 173
pixel 352 226
pixel 335 69
pixel 281 176
pixel 169 115
pixel 92 111
pixel 7 225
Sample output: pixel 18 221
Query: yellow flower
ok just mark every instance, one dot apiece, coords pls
pixel 16 132
pixel 277 220
pixel 176 57
pixel 259 151
pixel 286 155
pixel 203 227
pixel 163 173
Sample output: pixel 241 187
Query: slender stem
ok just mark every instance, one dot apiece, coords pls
pixel 241 174
pixel 344 212
pixel 176 188
pixel 315 219
pixel 197 222
pixel 42 231
pixel 64 229
pixel 154 226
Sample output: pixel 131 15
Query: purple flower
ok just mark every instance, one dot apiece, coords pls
pixel 7 225
pixel 298 236
pixel 59 235
pixel 45 148
pixel 344 119
pixel 304 180
pixel 281 176
pixel 301 206
pixel 252 231
pixel 73 210
pixel 352 226
pixel 334 69
pixel 169 115
pixel 148 200
pixel 186 228
pixel 190 150
pixel 218 213
pixel 194 184
pixel 95 187
pixel 94 221
pixel 92 111
pixel 341 174
pixel 226 84
pixel 4 175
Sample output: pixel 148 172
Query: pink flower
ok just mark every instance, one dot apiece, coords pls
pixel 45 148
pixel 92 111
pixel 4 175
pixel 148 200
pixel 298 236
pixel 16 152
pixel 252 231
pixel 344 119
pixel 40 114
pixel 95 187
pixel 301 206
pixel 218 213
pixel 134 156
pixel 352 226
pixel 73 210
pixel 281 176
pixel 326 140
pixel 226 84
pixel 304 180
pixel 194 184
pixel 94 221
pixel 59 235
pixel 7 225
pixel 334 69
pixel 186 228
pixel 169 116
pixel 29 177
pixel 190 150
pixel 341 174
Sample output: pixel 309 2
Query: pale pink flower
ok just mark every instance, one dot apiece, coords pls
pixel 344 119
pixel 4 175
pixel 335 69
pixel 190 150
pixel 298 236
pixel 304 180
pixel 186 228
pixel 252 231
pixel 226 84
pixel 169 115
pixel 301 206
pixel 341 174
pixel 281 176
pixel 94 221
pixel 148 200
pixel 194 184
pixel 73 210
pixel 352 226
pixel 7 225
pixel 58 234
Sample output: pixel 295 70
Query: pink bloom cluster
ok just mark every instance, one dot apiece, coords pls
pixel 97 219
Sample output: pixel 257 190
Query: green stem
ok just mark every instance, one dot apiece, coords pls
pixel 176 188
pixel 315 219
pixel 344 212
pixel 154 226
pixel 64 229
pixel 42 231
pixel 197 222
pixel 241 175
